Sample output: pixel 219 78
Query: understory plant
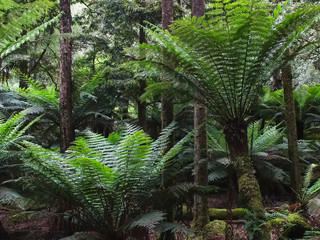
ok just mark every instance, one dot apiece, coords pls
pixel 112 185
pixel 12 134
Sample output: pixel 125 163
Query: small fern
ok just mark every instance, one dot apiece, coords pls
pixel 309 189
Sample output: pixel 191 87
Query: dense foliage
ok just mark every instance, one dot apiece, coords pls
pixel 121 182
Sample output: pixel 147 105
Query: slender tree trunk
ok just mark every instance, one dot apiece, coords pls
pixel 166 100
pixel 167 114
pixel 142 106
pixel 200 207
pixel 290 117
pixel 249 190
pixel 66 119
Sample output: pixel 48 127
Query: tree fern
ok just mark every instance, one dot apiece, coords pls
pixel 226 56
pixel 111 184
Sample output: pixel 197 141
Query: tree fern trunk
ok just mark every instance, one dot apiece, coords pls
pixel 200 207
pixel 249 190
pixel 290 117
pixel 66 120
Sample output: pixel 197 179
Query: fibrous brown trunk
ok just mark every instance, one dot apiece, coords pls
pixel 290 117
pixel 237 140
pixel 66 120
pixel 200 207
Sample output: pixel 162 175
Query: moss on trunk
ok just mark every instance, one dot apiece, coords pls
pixel 249 190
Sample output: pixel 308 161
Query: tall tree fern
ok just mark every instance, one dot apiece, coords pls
pixel 226 57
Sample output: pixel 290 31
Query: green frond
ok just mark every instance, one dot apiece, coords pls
pixel 12 134
pixel 226 56
pixel 309 189
pixel 10 44
pixel 266 139
pixel 108 181
pixel 148 220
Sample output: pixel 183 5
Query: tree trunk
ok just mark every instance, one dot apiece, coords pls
pixel 66 119
pixel 166 100
pixel 290 117
pixel 249 190
pixel 3 234
pixel 142 106
pixel 167 114
pixel 200 207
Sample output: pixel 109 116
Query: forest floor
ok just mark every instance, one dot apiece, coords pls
pixel 37 227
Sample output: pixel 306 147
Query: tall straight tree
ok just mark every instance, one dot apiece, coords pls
pixel 166 100
pixel 66 120
pixel 290 116
pixel 142 105
pixel 167 111
pixel 200 208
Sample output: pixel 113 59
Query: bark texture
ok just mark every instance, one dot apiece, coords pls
pixel 200 208
pixel 249 190
pixel 66 119
pixel 198 8
pixel 167 114
pixel 167 13
pixel 166 100
pixel 142 106
pixel 290 117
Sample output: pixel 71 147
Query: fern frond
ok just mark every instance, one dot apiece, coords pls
pixel 10 46
pixel 109 182
pixel 226 56
pixel 148 220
